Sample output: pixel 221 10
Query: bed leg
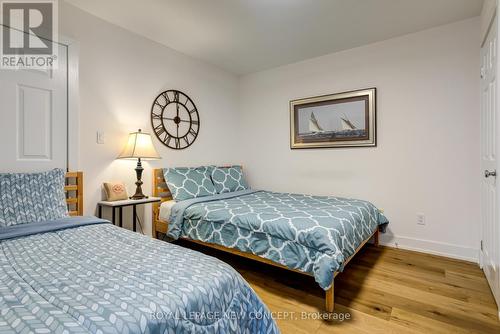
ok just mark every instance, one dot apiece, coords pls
pixel 376 238
pixel 154 234
pixel 330 298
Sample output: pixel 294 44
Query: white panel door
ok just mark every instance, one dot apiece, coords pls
pixel 33 118
pixel 490 204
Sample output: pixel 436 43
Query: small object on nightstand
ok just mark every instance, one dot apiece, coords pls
pixel 121 204
pixel 115 191
pixel 139 146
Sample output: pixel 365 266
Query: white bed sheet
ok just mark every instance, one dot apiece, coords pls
pixel 166 209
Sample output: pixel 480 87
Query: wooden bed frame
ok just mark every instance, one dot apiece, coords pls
pixel 74 193
pixel 160 189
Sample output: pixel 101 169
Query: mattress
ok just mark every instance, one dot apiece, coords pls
pixel 166 209
pixel 94 277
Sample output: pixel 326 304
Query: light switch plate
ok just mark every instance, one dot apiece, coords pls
pixel 420 219
pixel 100 138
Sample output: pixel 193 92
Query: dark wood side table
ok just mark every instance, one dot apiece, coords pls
pixel 120 204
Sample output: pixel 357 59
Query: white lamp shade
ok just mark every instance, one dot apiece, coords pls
pixel 139 145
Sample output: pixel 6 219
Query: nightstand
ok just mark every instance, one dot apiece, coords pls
pixel 121 204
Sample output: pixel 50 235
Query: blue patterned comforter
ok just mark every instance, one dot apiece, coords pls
pixel 313 234
pixel 100 278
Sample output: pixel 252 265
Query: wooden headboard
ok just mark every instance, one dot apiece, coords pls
pixel 74 193
pixel 160 189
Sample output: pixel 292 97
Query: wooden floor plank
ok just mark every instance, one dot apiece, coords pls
pixel 415 306
pixel 365 323
pixel 456 306
pixel 422 260
pixel 425 325
pixel 442 286
pixel 383 290
pixel 471 282
pixel 360 273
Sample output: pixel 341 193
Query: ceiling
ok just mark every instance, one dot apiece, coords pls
pixel 244 36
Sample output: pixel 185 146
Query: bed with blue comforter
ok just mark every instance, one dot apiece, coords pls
pixel 312 234
pixel 84 275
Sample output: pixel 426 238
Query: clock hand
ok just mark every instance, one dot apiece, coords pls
pixel 173 119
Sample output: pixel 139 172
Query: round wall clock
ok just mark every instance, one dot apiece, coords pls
pixel 175 119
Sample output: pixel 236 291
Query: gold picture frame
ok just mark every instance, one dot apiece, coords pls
pixel 347 119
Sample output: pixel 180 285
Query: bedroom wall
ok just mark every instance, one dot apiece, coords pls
pixel 428 134
pixel 120 75
pixel 427 159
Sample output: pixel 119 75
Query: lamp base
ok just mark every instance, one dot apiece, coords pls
pixel 138 196
pixel 138 190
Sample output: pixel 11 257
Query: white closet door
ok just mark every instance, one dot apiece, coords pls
pixel 490 201
pixel 33 118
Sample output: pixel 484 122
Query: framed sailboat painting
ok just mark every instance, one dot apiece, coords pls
pixel 338 120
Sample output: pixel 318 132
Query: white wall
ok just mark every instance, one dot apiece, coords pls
pixel 120 75
pixel 427 159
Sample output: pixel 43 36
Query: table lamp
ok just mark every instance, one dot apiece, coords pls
pixel 139 146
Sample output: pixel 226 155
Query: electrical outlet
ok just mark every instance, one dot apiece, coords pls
pixel 420 219
pixel 100 138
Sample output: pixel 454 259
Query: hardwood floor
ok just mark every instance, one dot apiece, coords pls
pixel 384 290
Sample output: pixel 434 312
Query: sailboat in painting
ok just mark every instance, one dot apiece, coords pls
pixel 316 132
pixel 347 124
pixel 314 125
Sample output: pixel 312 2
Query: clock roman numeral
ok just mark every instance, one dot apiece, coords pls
pixel 159 130
pixel 192 132
pixel 159 104
pixel 155 116
pixel 176 96
pixel 177 143
pixel 167 137
pixel 186 140
pixel 165 95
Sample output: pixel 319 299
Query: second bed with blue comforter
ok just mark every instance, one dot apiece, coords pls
pixel 83 275
pixel 312 234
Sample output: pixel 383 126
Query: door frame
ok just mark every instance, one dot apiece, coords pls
pixel 73 100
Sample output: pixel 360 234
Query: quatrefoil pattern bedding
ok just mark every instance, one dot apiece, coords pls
pixel 189 182
pixel 104 279
pixel 313 234
pixel 228 179
pixel 32 197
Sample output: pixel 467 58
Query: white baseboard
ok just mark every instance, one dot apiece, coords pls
pixel 432 247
